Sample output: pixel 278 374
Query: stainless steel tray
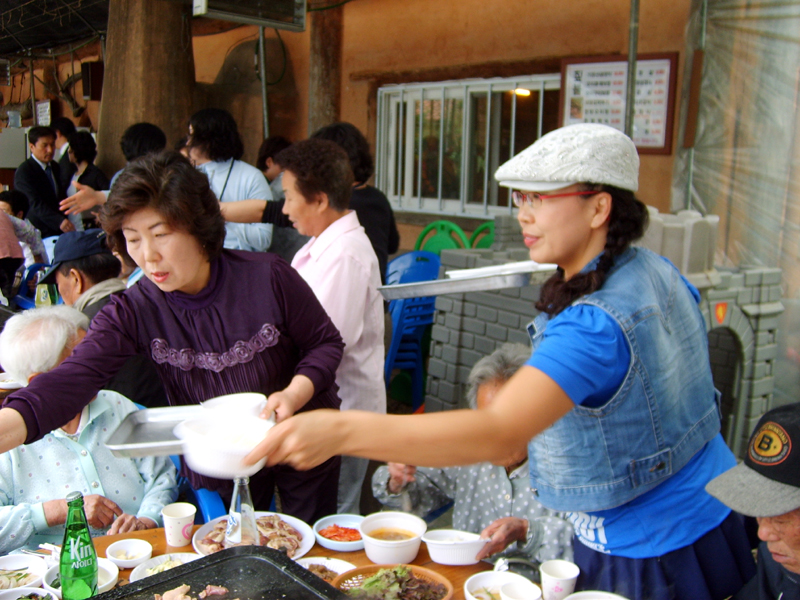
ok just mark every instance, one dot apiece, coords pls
pixel 485 278
pixel 148 432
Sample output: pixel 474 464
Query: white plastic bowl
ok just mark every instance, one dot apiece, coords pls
pixel 247 403
pixel 35 565
pixel 15 593
pixel 493 581
pixel 343 520
pixel 107 577
pixel 453 547
pixel 215 445
pixel 392 551
pixel 139 550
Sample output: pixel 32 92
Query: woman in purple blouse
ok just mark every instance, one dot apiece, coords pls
pixel 214 321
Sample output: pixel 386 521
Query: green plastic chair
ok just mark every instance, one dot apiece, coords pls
pixel 447 236
pixel 483 236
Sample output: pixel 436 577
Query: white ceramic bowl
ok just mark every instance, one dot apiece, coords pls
pixel 137 552
pixel 343 520
pixel 517 590
pixel 140 572
pixel 392 551
pixel 593 595
pixel 248 403
pixel 493 581
pixel 36 566
pixel 15 593
pixel 107 577
pixel 215 445
pixel 453 547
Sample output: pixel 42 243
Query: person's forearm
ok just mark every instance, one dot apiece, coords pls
pixel 301 389
pixel 13 430
pixel 243 211
pixel 55 511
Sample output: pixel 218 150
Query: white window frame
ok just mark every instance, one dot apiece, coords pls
pixel 388 146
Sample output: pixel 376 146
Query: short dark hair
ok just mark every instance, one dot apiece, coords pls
pixel 38 132
pixel 17 200
pixel 180 144
pixel 140 139
pixel 214 132
pixel 96 268
pixel 354 143
pixel 319 166
pixel 269 149
pixel 64 126
pixel 168 183
pixel 83 146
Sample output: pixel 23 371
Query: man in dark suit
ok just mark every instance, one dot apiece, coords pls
pixel 64 128
pixel 37 178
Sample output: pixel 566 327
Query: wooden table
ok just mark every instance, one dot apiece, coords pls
pixel 157 538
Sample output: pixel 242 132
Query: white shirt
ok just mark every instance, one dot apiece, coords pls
pixel 341 268
pixel 244 183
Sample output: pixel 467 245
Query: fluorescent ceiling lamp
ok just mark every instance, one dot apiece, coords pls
pixel 522 92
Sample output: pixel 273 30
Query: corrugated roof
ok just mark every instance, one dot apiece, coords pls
pixel 43 24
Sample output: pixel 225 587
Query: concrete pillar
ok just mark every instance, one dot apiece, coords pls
pixel 149 73
pixel 325 78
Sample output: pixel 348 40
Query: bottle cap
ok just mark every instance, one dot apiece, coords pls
pixel 74 496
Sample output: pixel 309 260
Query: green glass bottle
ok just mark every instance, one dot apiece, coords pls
pixel 78 564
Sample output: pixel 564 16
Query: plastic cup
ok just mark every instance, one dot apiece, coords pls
pixel 178 521
pixel 558 578
pixel 519 591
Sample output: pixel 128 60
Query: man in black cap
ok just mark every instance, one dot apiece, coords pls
pixel 767 486
pixel 86 274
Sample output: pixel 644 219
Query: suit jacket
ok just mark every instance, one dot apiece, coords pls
pixel 68 169
pixel 31 180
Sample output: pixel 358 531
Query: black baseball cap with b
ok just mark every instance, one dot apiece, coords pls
pixel 74 245
pixel 767 482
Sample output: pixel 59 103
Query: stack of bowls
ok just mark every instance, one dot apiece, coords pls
pixel 388 551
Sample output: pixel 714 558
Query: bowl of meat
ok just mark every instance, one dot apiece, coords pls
pixel 339 532
pixel 279 531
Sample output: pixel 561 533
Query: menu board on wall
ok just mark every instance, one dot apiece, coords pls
pixel 593 90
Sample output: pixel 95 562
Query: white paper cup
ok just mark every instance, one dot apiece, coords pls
pixel 178 521
pixel 558 578
pixel 518 590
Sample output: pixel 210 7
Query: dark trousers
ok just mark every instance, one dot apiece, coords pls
pixel 8 271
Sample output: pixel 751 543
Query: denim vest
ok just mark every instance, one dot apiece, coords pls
pixel 664 412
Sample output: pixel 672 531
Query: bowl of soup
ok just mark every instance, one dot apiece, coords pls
pixel 392 537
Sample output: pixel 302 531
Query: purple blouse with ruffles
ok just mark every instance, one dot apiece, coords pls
pixel 251 329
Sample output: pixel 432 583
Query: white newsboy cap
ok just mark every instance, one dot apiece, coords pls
pixel 583 153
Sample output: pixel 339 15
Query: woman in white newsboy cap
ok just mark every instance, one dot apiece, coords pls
pixel 617 401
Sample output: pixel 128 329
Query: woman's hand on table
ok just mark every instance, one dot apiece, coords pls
pixel 501 533
pixel 100 511
pixel 125 523
pixel 400 476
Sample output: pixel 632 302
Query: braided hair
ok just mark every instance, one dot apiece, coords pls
pixel 626 224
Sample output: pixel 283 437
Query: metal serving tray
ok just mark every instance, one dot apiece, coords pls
pixel 473 280
pixel 249 573
pixel 148 432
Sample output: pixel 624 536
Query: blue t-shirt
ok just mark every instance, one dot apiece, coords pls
pixel 585 352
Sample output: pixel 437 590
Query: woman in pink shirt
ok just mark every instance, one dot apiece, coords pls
pixel 340 266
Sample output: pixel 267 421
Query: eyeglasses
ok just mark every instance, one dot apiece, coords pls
pixel 534 199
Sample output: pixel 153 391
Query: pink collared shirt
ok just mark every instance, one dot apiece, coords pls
pixel 341 268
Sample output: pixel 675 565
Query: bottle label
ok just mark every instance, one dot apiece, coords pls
pixel 233 534
pixel 80 554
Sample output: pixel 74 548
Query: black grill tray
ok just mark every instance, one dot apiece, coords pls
pixel 249 573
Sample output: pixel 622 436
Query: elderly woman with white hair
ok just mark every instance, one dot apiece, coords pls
pixel 490 498
pixel 120 494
